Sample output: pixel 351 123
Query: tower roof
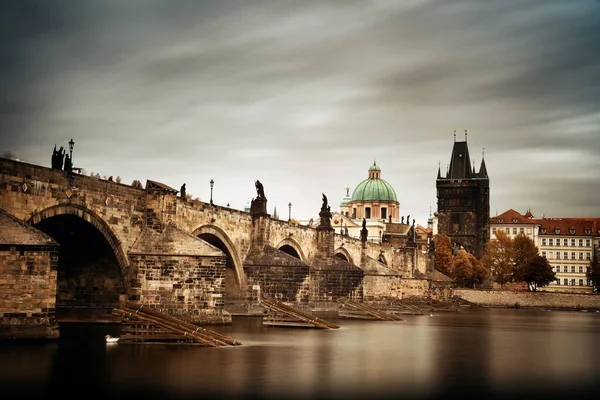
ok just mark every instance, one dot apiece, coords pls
pixel 460 162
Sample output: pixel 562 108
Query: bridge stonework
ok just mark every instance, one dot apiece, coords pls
pixel 120 213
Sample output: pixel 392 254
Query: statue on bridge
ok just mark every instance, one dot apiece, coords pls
pixel 182 191
pixel 68 164
pixel 325 213
pixel 364 232
pixel 57 158
pixel 259 189
pixel 258 206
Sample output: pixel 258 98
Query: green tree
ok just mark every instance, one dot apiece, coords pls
pixel 442 255
pixel 524 249
pixel 593 272
pixel 537 273
pixel 498 258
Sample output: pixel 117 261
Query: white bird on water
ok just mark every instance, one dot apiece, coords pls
pixel 110 339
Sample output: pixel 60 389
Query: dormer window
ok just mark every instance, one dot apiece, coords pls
pixel 588 231
pixel 544 231
pixel 557 230
pixel 571 231
pixel 515 220
pixel 502 220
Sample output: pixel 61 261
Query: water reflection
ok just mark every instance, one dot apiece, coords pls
pixel 484 353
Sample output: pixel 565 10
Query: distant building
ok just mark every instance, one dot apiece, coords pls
pixel 375 200
pixel 567 243
pixel 463 201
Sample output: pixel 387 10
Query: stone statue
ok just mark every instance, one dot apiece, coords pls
pixel 182 191
pixel 408 219
pixel 325 213
pixel 364 233
pixel 324 206
pixel 402 221
pixel 57 158
pixel 68 165
pixel 258 206
pixel 259 189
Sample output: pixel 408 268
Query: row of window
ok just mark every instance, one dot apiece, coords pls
pixel 565 255
pixel 514 231
pixel 368 212
pixel 566 282
pixel 566 269
pixel 551 242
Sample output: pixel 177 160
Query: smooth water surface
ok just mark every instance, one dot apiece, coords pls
pixel 488 353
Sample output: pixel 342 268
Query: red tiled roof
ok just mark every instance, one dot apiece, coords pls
pixel 510 216
pixel 570 226
pixel 564 225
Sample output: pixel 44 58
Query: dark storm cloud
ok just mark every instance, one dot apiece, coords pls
pixel 307 94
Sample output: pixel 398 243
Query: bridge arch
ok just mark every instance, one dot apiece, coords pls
pixel 94 219
pixel 291 246
pixel 342 253
pixel 207 233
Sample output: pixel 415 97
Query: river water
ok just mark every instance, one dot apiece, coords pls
pixel 485 353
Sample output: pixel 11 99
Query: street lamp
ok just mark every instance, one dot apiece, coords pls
pixel 71 145
pixel 212 183
pixel 290 209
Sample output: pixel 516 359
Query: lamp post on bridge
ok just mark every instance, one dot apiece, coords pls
pixel 290 211
pixel 71 145
pixel 212 183
pixel 70 171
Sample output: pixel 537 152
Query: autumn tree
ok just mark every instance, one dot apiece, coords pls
pixel 442 254
pixel 498 258
pixel 593 272
pixel 537 272
pixel 467 270
pixel 524 249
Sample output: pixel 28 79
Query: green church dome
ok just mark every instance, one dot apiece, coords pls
pixel 374 188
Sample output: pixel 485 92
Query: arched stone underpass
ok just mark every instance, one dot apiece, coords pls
pixel 343 254
pixel 89 279
pixel 233 279
pixel 290 250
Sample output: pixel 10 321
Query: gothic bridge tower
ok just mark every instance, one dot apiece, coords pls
pixel 463 201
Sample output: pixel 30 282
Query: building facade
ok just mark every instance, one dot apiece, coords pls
pixel 567 243
pixel 463 201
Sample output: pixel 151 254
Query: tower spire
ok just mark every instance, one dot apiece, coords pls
pixel 455 135
pixel 465 135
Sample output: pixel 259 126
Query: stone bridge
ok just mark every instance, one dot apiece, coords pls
pixel 116 242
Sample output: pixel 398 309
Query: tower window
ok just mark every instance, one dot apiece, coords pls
pixel 367 212
pixel 383 212
pixel 354 212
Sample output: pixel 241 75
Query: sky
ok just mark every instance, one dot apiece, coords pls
pixel 305 95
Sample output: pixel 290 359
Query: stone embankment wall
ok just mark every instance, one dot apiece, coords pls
pixel 508 298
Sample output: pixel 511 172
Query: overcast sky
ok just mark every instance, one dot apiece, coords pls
pixel 305 95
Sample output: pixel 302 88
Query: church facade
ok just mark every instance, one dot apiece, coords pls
pixel 463 201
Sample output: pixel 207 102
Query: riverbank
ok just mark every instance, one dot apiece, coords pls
pixel 523 299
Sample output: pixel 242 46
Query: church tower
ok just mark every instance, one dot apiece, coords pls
pixel 463 201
